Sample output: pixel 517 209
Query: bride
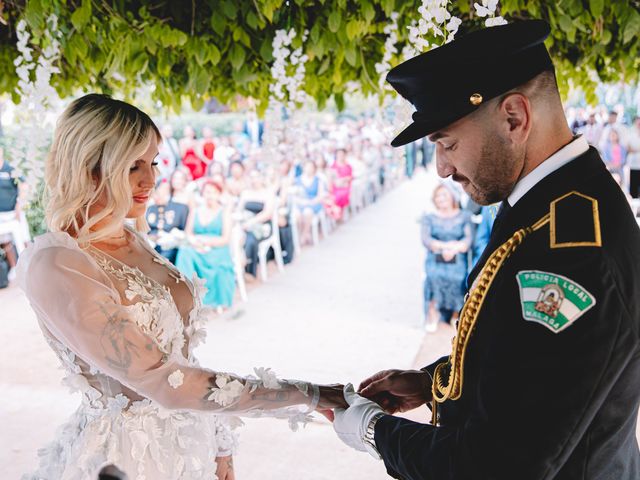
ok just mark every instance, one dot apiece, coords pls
pixel 124 322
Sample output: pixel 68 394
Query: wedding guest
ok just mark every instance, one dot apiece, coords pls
pixel 9 208
pixel 208 255
pixel 308 200
pixel 168 152
pixel 183 187
pixel 614 154
pixel 341 184
pixel 237 181
pixel 190 153
pixel 446 235
pixel 207 145
pixel 257 203
pixel 163 216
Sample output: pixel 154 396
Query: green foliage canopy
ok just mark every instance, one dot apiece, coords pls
pixel 223 48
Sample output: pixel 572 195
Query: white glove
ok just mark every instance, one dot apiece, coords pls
pixel 351 424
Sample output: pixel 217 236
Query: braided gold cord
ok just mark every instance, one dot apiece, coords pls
pixel 468 318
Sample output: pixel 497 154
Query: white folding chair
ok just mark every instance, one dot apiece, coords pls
pixel 272 242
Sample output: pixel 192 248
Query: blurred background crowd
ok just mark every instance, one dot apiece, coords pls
pixel 225 210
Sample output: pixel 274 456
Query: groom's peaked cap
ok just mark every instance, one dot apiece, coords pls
pixel 452 81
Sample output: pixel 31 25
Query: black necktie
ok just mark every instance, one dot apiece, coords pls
pixel 502 213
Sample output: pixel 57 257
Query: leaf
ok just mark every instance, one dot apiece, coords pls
pixel 229 9
pixel 388 6
pixel 213 54
pixel 368 11
pixel 81 15
pixel 339 99
pixel 252 20
pixel 201 82
pixel 352 29
pixel 324 66
pixel 218 23
pixel 632 28
pixel 238 55
pixel 315 33
pixel 266 50
pixel 596 7
pixel 565 23
pixel 334 21
pixel 350 54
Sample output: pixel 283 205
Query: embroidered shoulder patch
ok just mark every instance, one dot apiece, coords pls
pixel 552 300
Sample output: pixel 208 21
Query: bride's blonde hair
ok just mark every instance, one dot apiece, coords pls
pixel 96 142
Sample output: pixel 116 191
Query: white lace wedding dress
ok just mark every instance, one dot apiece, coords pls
pixel 125 339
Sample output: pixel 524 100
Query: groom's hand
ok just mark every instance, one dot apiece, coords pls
pixel 352 424
pixel 397 390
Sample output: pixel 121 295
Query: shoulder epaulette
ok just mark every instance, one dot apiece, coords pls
pixel 574 221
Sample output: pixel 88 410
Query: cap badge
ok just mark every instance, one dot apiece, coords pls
pixel 475 99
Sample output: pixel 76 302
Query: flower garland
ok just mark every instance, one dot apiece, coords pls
pixel 286 93
pixel 435 18
pixel 383 67
pixel 38 99
pixel 488 9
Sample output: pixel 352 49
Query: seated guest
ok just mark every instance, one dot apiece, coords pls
pixel 208 255
pixel 183 187
pixel 446 234
pixel 309 200
pixel 9 211
pixel 340 187
pixel 257 205
pixel 236 182
pixel 163 216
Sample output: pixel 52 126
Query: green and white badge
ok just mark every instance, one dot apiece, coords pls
pixel 552 300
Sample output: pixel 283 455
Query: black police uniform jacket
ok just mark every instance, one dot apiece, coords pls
pixel 538 404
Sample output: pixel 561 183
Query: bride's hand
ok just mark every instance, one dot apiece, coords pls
pixel 331 396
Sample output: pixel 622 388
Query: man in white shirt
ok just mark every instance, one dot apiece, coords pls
pixel 543 381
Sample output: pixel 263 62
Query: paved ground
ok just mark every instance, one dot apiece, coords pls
pixel 342 311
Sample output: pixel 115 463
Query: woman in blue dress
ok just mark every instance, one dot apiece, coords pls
pixel 208 255
pixel 446 234
pixel 309 200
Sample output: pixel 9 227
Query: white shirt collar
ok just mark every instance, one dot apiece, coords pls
pixel 572 150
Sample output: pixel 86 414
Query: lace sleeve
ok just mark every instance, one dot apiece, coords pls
pixel 75 301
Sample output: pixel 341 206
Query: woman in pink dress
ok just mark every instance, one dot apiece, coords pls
pixel 340 185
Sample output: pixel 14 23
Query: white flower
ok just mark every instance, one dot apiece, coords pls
pixel 176 379
pixel 76 383
pixel 492 22
pixel 227 391
pixel 481 10
pixel 267 377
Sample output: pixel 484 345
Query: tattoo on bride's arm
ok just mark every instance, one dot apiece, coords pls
pixel 277 396
pixel 118 350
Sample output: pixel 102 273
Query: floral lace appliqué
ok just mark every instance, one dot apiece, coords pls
pixel 226 390
pixel 176 379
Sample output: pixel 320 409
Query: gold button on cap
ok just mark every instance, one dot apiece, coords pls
pixel 475 99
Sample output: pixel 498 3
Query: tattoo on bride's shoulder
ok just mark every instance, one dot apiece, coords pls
pixel 118 349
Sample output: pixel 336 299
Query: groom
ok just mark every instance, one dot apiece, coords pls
pixel 534 388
